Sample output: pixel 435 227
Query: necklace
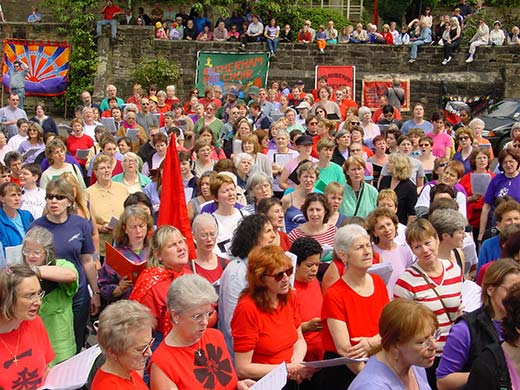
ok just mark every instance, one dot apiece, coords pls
pixel 15 354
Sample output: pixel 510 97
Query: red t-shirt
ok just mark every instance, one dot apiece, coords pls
pixel 212 275
pixel 104 380
pixel 203 365
pixel 74 143
pixel 108 12
pixel 30 343
pixel 309 301
pixel 270 335
pixel 361 314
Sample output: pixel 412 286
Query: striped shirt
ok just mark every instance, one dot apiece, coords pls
pixel 325 238
pixel 411 285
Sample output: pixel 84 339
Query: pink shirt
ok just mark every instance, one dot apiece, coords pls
pixel 441 141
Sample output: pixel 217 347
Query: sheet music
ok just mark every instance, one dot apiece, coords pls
pixel 110 124
pixel 332 362
pixel 13 254
pixel 132 134
pixel 72 373
pixel 275 380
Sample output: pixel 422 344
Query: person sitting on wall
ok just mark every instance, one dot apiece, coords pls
pixel 110 13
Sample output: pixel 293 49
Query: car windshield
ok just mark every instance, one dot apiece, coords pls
pixel 504 109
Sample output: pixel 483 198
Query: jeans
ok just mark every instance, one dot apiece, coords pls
pixel 104 22
pixel 272 44
pixel 81 312
pixel 414 46
pixel 449 47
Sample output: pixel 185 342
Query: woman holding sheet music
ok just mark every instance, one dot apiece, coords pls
pixel 351 308
pixel 479 162
pixel 131 237
pixel 25 349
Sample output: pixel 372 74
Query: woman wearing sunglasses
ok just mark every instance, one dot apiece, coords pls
pixel 193 356
pixel 72 237
pixel 266 325
pixel 124 334
pixel 351 308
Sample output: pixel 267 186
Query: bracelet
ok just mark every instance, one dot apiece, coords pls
pixel 95 256
pixel 96 293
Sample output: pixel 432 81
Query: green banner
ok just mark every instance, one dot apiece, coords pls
pixel 241 70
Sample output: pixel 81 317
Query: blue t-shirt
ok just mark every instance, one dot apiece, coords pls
pixel 379 376
pixel 410 124
pixel 17 222
pixel 72 239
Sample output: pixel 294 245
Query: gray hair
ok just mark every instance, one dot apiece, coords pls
pixel 242 156
pixel 203 220
pixel 130 107
pixel 515 126
pixel 43 237
pixel 190 291
pixel 118 320
pixel 257 178
pixel 347 235
pixel 362 110
pixel 447 221
pixel 283 132
pixel 475 122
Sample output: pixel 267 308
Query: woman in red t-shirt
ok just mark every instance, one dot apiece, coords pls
pixel 351 308
pixel 273 210
pixel 266 324
pixel 193 356
pixel 25 349
pixel 125 337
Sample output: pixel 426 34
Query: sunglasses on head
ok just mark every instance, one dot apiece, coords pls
pixel 279 276
pixel 49 196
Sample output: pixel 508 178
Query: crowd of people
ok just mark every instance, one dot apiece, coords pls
pixel 245 26
pixel 321 230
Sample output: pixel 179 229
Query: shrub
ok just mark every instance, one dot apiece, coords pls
pixel 158 71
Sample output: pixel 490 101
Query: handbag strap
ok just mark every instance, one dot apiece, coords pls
pixel 358 200
pixel 430 284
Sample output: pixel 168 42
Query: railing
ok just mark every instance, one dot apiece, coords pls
pixel 351 9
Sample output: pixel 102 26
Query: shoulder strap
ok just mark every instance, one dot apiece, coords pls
pixel 430 284
pixel 457 257
pixel 358 200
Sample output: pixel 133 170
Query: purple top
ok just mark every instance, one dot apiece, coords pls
pixel 456 349
pixel 501 186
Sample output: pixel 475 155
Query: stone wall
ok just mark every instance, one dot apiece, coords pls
pixel 494 68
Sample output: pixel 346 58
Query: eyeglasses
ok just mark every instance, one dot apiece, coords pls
pixel 205 236
pixel 28 252
pixel 442 165
pixel 34 296
pixel 148 345
pixel 428 343
pixel 313 123
pixel 424 145
pixel 463 138
pixel 202 316
pixel 279 276
pixel 516 145
pixel 355 123
pixel 50 196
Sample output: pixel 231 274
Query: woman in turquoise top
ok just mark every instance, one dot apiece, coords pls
pixel 59 281
pixel 329 171
pixel 360 198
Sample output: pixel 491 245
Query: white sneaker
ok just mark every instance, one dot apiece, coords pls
pixel 469 60
pixel 448 60
pixel 444 61
pixel 411 60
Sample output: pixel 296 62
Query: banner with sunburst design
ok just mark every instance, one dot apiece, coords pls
pixel 47 62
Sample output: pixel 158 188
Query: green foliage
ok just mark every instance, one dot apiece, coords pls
pixel 471 23
pixel 393 10
pixel 297 16
pixel 488 3
pixel 158 71
pixel 78 17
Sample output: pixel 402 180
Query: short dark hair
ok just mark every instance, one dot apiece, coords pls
pixel 442 188
pixel 246 234
pixel 34 168
pixel 511 321
pixel 304 247
pixel 315 197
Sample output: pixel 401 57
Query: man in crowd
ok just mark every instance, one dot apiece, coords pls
pixel 10 114
pixel 17 81
pixel 110 13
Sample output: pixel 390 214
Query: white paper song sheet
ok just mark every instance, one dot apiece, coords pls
pixel 470 296
pixel 72 373
pixel 275 380
pixel 332 362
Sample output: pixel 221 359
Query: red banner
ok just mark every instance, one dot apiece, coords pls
pixel 372 89
pixel 337 76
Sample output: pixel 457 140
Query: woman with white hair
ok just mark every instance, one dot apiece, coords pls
pixel 207 263
pixel 480 38
pixel 351 308
pixel 259 186
pixel 243 163
pixel 124 334
pixel 251 145
pixel 134 180
pixel 399 167
pixel 193 356
pixel 371 130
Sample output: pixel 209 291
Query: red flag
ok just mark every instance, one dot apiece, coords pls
pixel 173 209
